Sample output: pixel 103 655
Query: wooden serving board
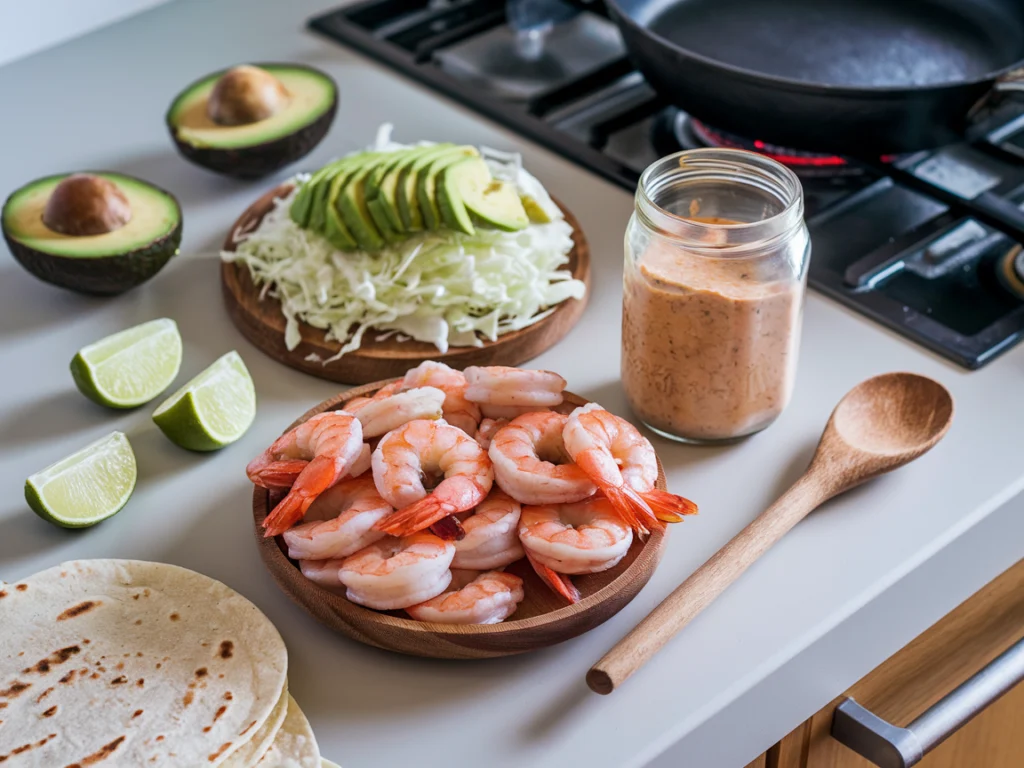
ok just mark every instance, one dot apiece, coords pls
pixel 542 619
pixel 262 323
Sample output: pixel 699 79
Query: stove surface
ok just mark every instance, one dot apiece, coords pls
pixel 916 263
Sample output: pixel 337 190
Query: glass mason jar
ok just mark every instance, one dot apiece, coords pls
pixel 713 292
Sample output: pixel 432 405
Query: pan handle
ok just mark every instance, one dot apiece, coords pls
pixel 1011 82
pixel 1009 85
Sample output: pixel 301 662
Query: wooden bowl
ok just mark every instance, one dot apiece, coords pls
pixel 542 619
pixel 261 321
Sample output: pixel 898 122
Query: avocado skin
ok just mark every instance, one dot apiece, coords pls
pixel 259 160
pixel 100 275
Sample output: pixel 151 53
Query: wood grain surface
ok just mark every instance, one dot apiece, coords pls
pixel 923 672
pixel 542 619
pixel 261 321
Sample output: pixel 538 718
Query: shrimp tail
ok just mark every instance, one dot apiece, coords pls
pixel 634 511
pixel 449 528
pixel 278 474
pixel 318 475
pixel 416 517
pixel 558 582
pixel 668 507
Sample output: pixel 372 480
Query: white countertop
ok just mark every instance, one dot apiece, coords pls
pixel 846 589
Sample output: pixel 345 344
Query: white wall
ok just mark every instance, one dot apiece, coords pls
pixel 27 26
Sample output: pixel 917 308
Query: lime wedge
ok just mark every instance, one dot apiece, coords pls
pixel 129 368
pixel 212 410
pixel 88 486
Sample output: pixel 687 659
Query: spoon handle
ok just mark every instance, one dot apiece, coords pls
pixel 705 584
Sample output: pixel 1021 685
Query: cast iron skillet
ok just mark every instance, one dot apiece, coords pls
pixel 861 78
pixel 854 77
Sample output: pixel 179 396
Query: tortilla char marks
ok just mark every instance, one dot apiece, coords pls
pixel 100 755
pixel 15 690
pixel 50 712
pixel 57 657
pixel 26 747
pixel 136 713
pixel 247 728
pixel 43 695
pixel 189 697
pixel 119 680
pixel 223 748
pixel 227 649
pixel 140 682
pixel 175 617
pixel 3 594
pixel 217 716
pixel 77 610
pixel 21 587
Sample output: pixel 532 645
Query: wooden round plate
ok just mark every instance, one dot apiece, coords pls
pixel 262 323
pixel 542 619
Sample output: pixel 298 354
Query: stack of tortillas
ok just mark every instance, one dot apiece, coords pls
pixel 128 663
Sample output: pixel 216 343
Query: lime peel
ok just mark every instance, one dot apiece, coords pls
pixel 86 487
pixel 212 410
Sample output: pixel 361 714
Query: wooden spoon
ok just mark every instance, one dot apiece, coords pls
pixel 880 425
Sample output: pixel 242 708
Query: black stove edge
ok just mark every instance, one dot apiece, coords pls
pixel 520 121
pixel 971 352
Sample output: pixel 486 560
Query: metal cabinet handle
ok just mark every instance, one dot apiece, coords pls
pixel 889 746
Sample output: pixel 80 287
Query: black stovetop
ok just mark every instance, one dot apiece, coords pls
pixel 917 264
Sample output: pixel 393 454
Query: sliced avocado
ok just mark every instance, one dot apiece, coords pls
pixel 302 206
pixel 534 211
pixel 318 207
pixel 105 245
pixel 467 189
pixel 426 186
pixel 408 183
pixel 387 191
pixel 374 181
pixel 252 149
pixel 351 203
pixel 334 227
pixel 449 197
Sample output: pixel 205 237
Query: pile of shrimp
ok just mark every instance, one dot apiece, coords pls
pixel 419 497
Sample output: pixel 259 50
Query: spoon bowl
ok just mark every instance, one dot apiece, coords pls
pixel 895 414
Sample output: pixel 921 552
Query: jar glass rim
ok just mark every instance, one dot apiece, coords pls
pixel 732 165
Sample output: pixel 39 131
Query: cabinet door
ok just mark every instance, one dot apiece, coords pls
pixel 922 673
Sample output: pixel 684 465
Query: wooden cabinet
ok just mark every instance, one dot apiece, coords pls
pixel 922 673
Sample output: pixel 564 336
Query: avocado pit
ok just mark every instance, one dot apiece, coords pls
pixel 246 94
pixel 83 204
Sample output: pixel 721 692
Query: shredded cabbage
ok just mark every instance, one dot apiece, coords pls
pixel 444 288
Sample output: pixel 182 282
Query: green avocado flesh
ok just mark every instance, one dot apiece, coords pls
pixel 312 95
pixel 368 200
pixel 155 215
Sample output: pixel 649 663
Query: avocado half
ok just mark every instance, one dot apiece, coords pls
pixel 139 243
pixel 249 150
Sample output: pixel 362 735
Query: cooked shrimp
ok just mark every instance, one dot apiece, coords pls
pixel 362 462
pixel 532 465
pixel 429 448
pixel 509 412
pixel 457 410
pixel 332 442
pixel 503 386
pixel 380 415
pixel 492 534
pixel 486 431
pixel 323 572
pixel 342 520
pixel 396 573
pixel 586 537
pixel 623 464
pixel 487 598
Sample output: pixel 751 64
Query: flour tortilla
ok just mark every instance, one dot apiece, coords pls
pixel 325 763
pixel 128 663
pixel 250 753
pixel 295 745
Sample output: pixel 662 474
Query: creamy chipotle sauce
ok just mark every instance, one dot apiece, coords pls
pixel 709 349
